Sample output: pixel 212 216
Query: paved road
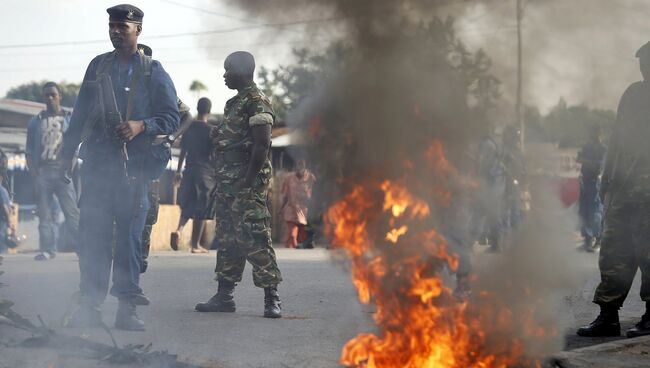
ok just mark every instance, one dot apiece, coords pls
pixel 320 307
pixel 583 311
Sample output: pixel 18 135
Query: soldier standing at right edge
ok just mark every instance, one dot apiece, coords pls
pixel 243 172
pixel 625 245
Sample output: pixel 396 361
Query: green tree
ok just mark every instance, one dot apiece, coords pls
pixel 569 125
pixel 197 87
pixel 33 91
pixel 534 122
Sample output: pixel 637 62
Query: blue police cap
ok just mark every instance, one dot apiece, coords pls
pixel 125 13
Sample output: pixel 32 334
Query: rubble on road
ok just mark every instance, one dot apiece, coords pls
pixel 24 344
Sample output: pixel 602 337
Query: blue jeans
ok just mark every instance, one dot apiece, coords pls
pixel 50 184
pixel 590 207
pixel 3 236
pixel 113 214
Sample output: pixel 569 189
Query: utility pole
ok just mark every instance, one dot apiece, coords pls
pixel 519 107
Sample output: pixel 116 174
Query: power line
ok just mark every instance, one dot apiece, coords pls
pixel 184 47
pixel 185 34
pixel 205 11
pixel 259 55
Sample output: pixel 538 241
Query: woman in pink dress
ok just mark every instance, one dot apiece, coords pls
pixel 296 193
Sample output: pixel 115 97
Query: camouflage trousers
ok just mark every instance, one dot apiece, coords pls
pixel 625 247
pixel 152 218
pixel 244 234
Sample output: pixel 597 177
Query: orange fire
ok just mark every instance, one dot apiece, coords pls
pixel 397 257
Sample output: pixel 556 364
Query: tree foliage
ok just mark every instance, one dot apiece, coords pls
pixel 33 91
pixel 197 86
pixel 567 125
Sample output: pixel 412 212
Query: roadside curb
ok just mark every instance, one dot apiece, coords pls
pixel 620 354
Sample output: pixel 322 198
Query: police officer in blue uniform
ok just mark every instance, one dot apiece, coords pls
pixel 119 161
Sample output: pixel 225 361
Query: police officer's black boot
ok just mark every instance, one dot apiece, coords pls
pixel 642 328
pixel 125 318
pixel 222 301
pixel 272 303
pixel 87 315
pixel 606 324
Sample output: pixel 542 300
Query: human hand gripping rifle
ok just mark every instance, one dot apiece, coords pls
pixel 112 115
pixel 105 112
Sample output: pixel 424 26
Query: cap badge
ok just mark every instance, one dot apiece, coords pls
pixel 129 15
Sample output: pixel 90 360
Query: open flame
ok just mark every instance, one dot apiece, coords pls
pixel 397 257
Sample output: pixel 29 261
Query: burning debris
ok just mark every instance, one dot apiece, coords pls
pixel 422 324
pixel 42 337
pixel 396 124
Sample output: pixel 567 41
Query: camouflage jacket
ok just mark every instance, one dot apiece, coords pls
pixel 232 139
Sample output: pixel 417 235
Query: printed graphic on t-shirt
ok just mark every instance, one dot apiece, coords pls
pixel 51 137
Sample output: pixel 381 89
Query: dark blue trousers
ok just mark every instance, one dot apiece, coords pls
pixel 113 213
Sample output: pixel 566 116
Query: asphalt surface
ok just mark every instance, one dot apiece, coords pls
pixel 321 311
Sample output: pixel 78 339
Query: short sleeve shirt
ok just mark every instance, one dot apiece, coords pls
pixel 196 142
pixel 235 132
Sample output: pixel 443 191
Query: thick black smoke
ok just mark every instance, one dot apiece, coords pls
pixel 582 50
pixel 376 115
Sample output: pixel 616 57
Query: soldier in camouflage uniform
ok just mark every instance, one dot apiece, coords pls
pixel 154 189
pixel 243 172
pixel 625 244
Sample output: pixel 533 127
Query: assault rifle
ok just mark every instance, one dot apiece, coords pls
pixel 107 113
pixel 112 115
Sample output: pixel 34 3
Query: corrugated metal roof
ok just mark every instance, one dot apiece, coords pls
pixel 21 106
pixel 24 107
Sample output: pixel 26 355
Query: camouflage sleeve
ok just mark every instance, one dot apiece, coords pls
pixel 259 109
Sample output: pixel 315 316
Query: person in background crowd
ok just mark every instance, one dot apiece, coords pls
pixel 489 198
pixel 514 165
pixel 43 153
pixel 6 209
pixel 590 206
pixel 197 180
pixel 296 193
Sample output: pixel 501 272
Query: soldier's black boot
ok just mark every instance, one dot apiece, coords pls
pixel 272 303
pixel 222 301
pixel 125 318
pixel 88 315
pixel 642 328
pixel 606 324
